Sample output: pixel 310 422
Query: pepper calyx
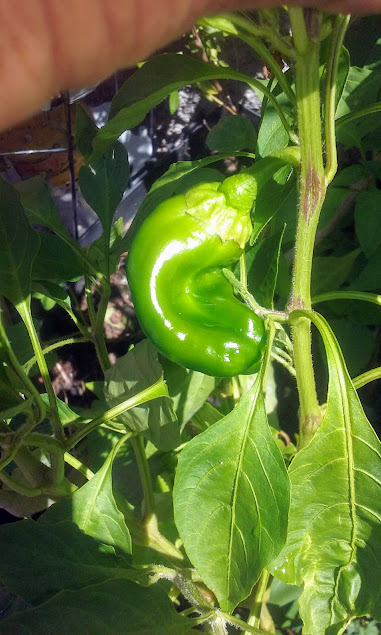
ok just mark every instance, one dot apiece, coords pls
pixel 224 208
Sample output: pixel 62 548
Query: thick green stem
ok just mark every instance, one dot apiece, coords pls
pixel 312 190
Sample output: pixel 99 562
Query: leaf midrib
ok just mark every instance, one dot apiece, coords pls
pixel 235 488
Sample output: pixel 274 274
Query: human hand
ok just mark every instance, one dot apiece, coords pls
pixel 49 45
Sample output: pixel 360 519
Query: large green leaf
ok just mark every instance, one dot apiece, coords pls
pixel 272 135
pixel 56 260
pixel 41 560
pixel 19 246
pixel 231 134
pixel 270 198
pixel 131 374
pixel 157 79
pixel 108 608
pixel 263 270
pixel 39 206
pixel 368 220
pixel 334 538
pixel 231 499
pixel 103 184
pixel 330 272
pixel 93 509
pixel 361 89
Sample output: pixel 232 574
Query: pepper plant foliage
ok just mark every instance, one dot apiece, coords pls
pixel 183 500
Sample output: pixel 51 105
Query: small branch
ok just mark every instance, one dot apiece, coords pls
pixel 200 45
pixel 366 378
pixel 347 295
pixel 159 389
pixel 337 38
pixel 242 28
pixel 30 388
pixel 78 465
pixel 52 347
pixel 24 310
pixel 356 114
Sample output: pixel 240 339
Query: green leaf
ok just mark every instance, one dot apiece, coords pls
pixel 362 89
pixel 231 498
pixel 39 206
pixel 103 184
pixel 20 341
pixel 85 131
pixel 56 261
pixel 232 134
pixel 270 198
pixel 67 415
pixel 93 509
pixel 369 279
pixel 150 85
pixel 41 560
pixel 19 246
pixel 206 416
pixel 53 291
pixel 357 343
pixel 272 135
pixel 132 373
pixel 114 606
pixel 334 538
pixel 174 102
pixel 368 220
pixel 364 42
pixel 330 272
pixel 263 271
pixel 187 388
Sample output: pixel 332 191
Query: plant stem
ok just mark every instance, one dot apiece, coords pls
pixel 159 389
pixel 236 621
pixel 312 189
pixel 18 370
pixel 339 30
pixel 356 114
pixel 51 347
pixel 373 298
pixel 366 378
pixel 145 476
pixel 258 599
pixel 78 465
pixel 97 324
pixel 24 310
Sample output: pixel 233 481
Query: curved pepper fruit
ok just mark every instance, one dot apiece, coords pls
pixel 182 299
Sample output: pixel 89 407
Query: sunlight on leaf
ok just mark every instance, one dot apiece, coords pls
pixel 334 541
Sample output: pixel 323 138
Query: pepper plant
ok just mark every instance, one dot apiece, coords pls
pixel 185 498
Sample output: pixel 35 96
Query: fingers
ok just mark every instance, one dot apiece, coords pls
pixel 49 45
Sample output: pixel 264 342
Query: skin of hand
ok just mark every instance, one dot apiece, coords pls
pixel 49 45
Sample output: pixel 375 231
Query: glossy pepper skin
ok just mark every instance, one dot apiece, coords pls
pixel 182 299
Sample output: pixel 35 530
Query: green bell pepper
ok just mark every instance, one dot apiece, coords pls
pixel 182 299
